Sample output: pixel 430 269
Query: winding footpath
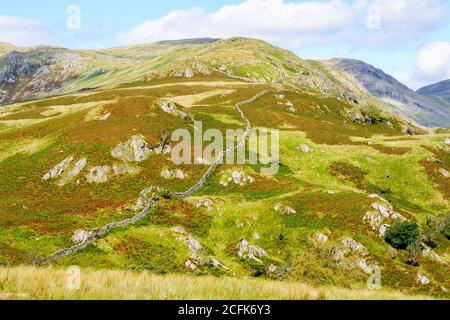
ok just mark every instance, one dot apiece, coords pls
pixel 101 232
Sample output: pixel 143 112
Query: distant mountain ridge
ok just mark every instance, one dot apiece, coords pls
pixel 440 92
pixel 396 95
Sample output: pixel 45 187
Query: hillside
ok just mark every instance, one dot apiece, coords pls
pixel 87 177
pixel 39 72
pixel 27 283
pixel 396 95
pixel 439 91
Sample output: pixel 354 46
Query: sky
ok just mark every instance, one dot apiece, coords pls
pixel 409 39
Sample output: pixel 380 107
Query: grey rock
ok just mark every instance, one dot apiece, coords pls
pixel 134 150
pixel 75 171
pixel 281 208
pixel 320 238
pixel 250 251
pixel 58 170
pixel 422 279
pixel 304 148
pixel 98 174
pixel 80 236
pixel 355 246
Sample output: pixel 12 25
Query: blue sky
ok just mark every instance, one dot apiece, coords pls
pixel 409 39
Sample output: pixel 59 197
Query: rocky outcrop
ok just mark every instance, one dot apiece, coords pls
pixel 73 172
pixel 422 279
pixel 320 238
pixel 238 177
pixel 171 108
pixel 444 173
pixel 304 148
pixel 250 251
pixel 173 174
pixel 380 218
pixel 429 253
pixel 447 141
pixel 355 246
pixel 198 256
pixel 281 208
pixel 58 170
pixel 97 114
pixel 134 150
pixel 98 174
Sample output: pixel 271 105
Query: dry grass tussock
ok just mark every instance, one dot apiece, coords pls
pixel 51 283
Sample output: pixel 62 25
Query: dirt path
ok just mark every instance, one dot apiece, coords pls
pixel 101 232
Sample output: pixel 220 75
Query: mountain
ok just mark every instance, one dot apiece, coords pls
pixel 89 177
pixel 396 95
pixel 25 75
pixel 439 91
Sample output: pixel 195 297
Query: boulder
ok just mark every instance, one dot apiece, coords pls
pixel 444 173
pixel 355 246
pixel 75 171
pixel 383 209
pixel 338 254
pixel 250 251
pixel 134 150
pixel 171 108
pixel 173 174
pixel 281 208
pixel 447 141
pixel 216 263
pixel 98 174
pixel 80 236
pixel 188 73
pixel 196 250
pixel 428 253
pixel 383 229
pixel 320 238
pixel 190 265
pixel 304 148
pixel 422 279
pixel 238 177
pixel 97 114
pixel 58 170
pixel 362 264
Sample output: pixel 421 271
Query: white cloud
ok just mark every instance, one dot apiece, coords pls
pixel 432 65
pixel 295 24
pixel 273 20
pixel 21 32
pixel 433 61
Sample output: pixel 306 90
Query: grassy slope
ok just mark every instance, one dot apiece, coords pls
pixel 50 283
pixel 38 218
